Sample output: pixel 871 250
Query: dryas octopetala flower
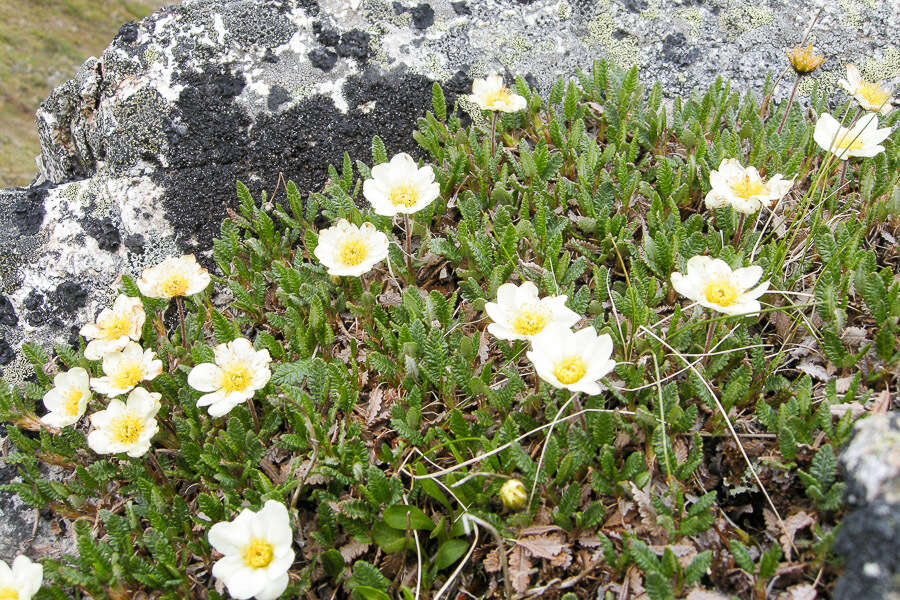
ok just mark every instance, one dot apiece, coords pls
pixel 513 494
pixel 490 94
pixel 22 580
pixel 257 552
pixel 574 360
pixel 400 186
pixel 114 328
pixel 239 371
pixel 863 139
pixel 743 188
pixel 710 282
pixel 68 398
pixel 518 313
pixel 125 369
pixel 125 426
pixel 804 60
pixel 182 276
pixel 873 96
pixel 348 250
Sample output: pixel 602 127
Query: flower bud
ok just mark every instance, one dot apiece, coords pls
pixel 804 60
pixel 513 494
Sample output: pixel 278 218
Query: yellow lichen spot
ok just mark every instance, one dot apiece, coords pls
pixel 236 377
pixel 569 370
pixel 530 320
pixel 127 429
pixel 745 188
pixel 128 375
pixel 73 402
pixel 8 593
pixel 117 327
pixel 258 554
pixel 175 284
pixel 403 195
pixel 353 252
pixel 721 292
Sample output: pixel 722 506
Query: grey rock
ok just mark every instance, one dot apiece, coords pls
pixel 869 536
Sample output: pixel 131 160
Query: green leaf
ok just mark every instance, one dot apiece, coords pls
pixel 404 516
pixel 438 103
pixel 449 552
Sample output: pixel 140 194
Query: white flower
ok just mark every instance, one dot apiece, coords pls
pixel 710 282
pixel 239 371
pixel 257 552
pixel 863 139
pixel 125 369
pixel 346 249
pixel 518 313
pixel 400 186
pixel 68 399
pixel 22 581
pixel 125 426
pixel 489 94
pixel 871 96
pixel 172 277
pixel 743 188
pixel 573 360
pixel 114 327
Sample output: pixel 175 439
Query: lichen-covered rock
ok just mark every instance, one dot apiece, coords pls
pixel 141 148
pixel 869 537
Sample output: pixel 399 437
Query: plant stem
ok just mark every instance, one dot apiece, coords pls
pixel 410 276
pixel 493 130
pixel 253 413
pixel 179 302
pixel 787 110
pixel 710 330
pixel 738 231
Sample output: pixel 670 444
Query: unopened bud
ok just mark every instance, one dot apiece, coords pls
pixel 513 494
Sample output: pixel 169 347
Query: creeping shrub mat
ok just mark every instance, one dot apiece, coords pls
pixel 593 345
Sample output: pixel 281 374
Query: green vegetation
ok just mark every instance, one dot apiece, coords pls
pixel 42 42
pixel 393 418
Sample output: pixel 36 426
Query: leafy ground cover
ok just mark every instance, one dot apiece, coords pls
pixel 41 43
pixel 393 418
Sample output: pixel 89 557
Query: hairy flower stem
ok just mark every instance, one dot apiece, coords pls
pixel 710 331
pixel 493 131
pixel 738 231
pixel 179 302
pixel 787 110
pixel 410 276
pixel 253 413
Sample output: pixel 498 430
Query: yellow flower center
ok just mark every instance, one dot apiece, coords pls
pixel 746 188
pixel 73 398
pixel 236 377
pixel 848 141
pixel 721 292
pixel 569 370
pixel 118 326
pixel 258 554
pixel 8 593
pixel 175 284
pixel 501 96
pixel 354 250
pixel 873 93
pixel 128 376
pixel 127 429
pixel 405 195
pixel 530 320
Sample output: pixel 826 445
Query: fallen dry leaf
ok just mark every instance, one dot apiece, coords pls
pixel 702 594
pixel 792 525
pixel 519 569
pixel 803 591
